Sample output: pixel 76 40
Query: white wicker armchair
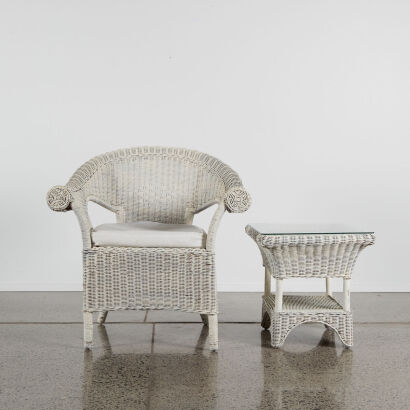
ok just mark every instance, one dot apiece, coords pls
pixel 163 185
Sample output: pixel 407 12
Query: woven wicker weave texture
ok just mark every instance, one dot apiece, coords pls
pixel 158 184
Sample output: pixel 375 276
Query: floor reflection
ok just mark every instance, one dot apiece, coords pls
pixel 314 379
pixel 150 380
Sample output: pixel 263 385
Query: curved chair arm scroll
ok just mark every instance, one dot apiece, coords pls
pixel 59 198
pixel 237 199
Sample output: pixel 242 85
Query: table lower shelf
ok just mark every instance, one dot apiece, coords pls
pixel 299 303
pixel 297 309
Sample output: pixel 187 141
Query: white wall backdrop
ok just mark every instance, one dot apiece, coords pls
pixel 308 100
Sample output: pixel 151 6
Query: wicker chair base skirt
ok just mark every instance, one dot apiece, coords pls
pixel 301 309
pixel 149 278
pixel 120 278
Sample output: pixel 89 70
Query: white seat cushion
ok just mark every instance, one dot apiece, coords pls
pixel 149 235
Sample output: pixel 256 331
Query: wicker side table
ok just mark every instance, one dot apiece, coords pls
pixel 308 253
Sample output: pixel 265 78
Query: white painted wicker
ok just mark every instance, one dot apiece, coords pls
pixel 158 184
pixel 309 256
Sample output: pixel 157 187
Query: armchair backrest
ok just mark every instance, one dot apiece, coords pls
pixel 157 184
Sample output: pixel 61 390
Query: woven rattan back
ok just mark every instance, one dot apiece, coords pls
pixel 154 183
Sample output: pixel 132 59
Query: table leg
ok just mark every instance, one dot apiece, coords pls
pixel 276 325
pixel 329 287
pixel 346 292
pixel 267 282
pixel 265 321
pixel 279 295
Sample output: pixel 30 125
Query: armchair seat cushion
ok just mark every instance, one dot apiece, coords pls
pixel 149 235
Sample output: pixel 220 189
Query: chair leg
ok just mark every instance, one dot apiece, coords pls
pixel 102 316
pixel 204 319
pixel 213 332
pixel 88 330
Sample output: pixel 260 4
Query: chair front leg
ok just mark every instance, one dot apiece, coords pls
pixel 88 330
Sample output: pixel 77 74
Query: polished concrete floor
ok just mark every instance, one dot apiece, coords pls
pixel 160 360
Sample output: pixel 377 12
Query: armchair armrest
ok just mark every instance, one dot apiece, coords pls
pixel 213 226
pixel 237 199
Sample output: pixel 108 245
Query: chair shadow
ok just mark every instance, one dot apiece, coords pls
pixel 315 379
pixel 150 380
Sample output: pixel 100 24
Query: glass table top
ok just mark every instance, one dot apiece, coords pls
pixel 305 229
